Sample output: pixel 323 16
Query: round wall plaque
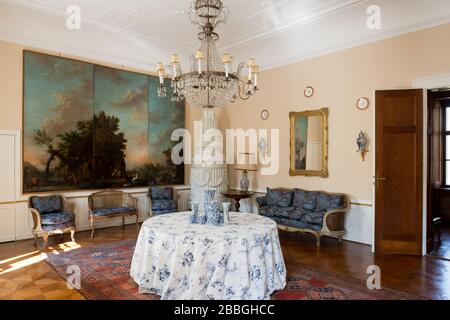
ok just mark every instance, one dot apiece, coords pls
pixel 264 114
pixel 362 103
pixel 309 92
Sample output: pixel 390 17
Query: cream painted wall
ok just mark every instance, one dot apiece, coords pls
pixel 339 80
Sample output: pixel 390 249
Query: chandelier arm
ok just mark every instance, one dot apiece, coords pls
pixel 241 91
pixel 239 69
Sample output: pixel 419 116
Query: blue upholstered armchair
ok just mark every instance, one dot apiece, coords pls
pixel 162 200
pixel 52 215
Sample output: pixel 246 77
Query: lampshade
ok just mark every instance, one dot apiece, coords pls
pixel 247 162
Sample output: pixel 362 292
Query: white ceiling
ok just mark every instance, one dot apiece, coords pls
pixel 142 32
pixel 167 19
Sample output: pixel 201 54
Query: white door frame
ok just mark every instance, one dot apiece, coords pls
pixel 425 83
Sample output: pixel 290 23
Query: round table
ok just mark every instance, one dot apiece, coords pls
pixel 178 260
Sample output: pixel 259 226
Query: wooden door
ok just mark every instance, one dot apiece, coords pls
pixel 399 172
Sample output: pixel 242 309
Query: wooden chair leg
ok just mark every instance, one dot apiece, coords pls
pixel 318 240
pixel 439 235
pixel 45 237
pixel 72 234
pixel 35 239
pixel 137 221
pixel 92 228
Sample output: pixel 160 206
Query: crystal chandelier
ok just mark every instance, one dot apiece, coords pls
pixel 211 81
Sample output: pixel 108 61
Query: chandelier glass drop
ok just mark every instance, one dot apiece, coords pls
pixel 211 81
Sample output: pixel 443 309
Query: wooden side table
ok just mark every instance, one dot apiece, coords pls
pixel 237 196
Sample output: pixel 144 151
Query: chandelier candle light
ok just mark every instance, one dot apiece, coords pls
pixel 211 81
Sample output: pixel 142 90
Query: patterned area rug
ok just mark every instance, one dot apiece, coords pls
pixel 105 276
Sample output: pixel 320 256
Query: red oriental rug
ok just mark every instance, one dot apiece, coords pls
pixel 106 276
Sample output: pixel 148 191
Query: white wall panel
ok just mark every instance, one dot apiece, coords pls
pixel 7 168
pixel 7 184
pixel 7 222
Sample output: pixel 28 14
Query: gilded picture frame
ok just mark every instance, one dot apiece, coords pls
pixel 293 119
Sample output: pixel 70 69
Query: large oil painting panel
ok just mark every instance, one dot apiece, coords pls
pixel 121 127
pixel 91 127
pixel 165 116
pixel 57 125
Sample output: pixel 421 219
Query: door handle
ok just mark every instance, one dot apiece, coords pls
pixel 379 178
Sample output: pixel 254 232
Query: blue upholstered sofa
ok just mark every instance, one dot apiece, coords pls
pixel 316 212
pixel 162 200
pixel 108 204
pixel 51 215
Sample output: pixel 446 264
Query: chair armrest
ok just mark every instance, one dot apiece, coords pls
pixel 36 219
pixel 130 201
pixel 261 201
pixel 334 220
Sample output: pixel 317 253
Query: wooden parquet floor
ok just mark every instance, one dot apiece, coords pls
pixel 25 275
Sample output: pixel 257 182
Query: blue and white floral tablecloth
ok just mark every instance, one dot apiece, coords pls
pixel 177 260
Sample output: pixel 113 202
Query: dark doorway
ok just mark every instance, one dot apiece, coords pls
pixel 438 198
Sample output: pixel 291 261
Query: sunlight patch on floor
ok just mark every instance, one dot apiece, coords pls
pixel 18 257
pixel 25 263
pixel 28 259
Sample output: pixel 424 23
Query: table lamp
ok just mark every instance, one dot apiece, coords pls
pixel 245 166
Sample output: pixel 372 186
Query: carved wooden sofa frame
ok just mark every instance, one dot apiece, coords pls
pixel 333 220
pixel 108 197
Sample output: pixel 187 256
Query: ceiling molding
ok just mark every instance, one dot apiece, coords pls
pixel 292 25
pixel 47 43
pixel 258 35
pixel 353 44
pixel 432 82
pixel 69 52
pixel 104 26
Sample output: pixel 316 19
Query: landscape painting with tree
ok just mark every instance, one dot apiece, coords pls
pixel 121 126
pixel 57 125
pixel 88 126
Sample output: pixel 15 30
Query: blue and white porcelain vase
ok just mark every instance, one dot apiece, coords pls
pixel 245 183
pixel 202 218
pixel 226 212
pixel 210 194
pixel 193 217
pixel 212 209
